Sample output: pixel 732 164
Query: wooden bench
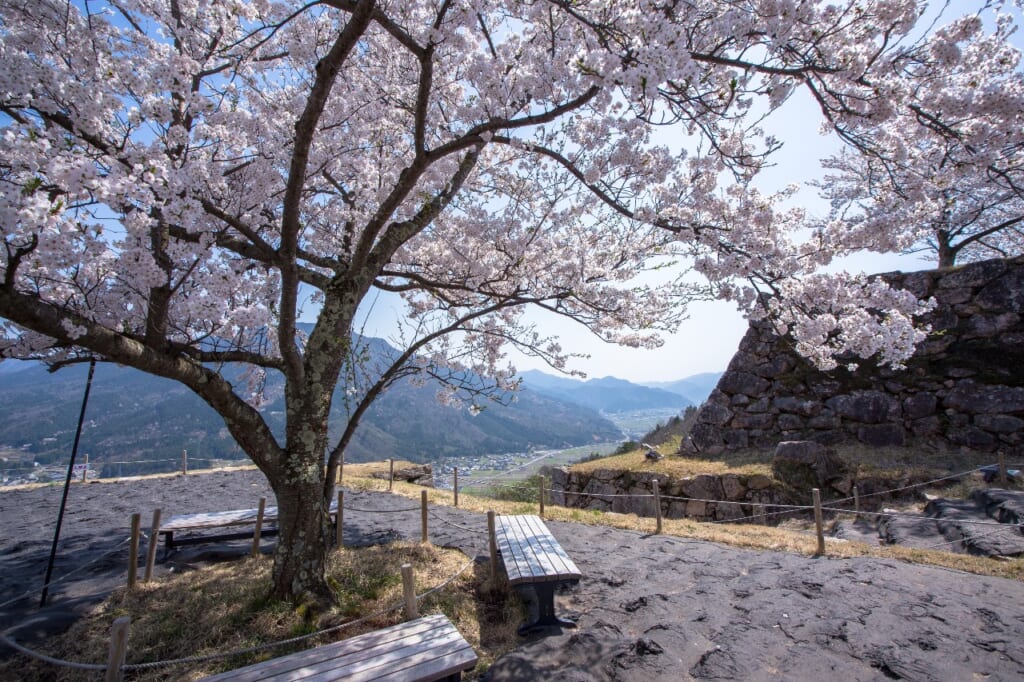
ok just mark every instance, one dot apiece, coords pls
pixel 226 519
pixel 536 565
pixel 428 648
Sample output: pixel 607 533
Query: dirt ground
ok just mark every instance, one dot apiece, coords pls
pixel 648 607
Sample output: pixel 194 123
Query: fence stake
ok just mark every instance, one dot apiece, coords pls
pixel 85 471
pixel 856 504
pixel 133 551
pixel 118 649
pixel 423 513
pixel 816 494
pixel 339 540
pixel 391 473
pixel 154 534
pixel 455 486
pixel 657 506
pixel 1002 469
pixel 184 461
pixel 259 527
pixel 409 589
pixel 494 545
pixel 541 494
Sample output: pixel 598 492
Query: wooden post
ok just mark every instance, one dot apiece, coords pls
pixel 423 514
pixel 184 461
pixel 118 649
pixel 154 534
pixel 816 494
pixel 494 545
pixel 540 492
pixel 856 504
pixel 455 486
pixel 85 471
pixel 339 539
pixel 409 589
pixel 1002 469
pixel 391 473
pixel 133 551
pixel 259 527
pixel 657 506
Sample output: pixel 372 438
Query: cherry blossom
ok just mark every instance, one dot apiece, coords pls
pixel 179 175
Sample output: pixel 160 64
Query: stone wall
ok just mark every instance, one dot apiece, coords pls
pixel 964 387
pixel 629 492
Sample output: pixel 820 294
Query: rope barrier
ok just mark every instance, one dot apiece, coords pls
pixel 907 487
pixel 227 654
pixel 381 511
pixel 455 525
pixel 961 540
pixel 919 517
pixel 67 575
pixel 582 494
pixel 142 461
pixel 790 508
pixel 48 659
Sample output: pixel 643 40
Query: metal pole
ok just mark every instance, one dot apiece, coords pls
pixel 67 484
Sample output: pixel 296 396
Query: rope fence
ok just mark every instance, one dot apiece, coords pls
pixel 766 510
pixel 92 562
pixel 267 646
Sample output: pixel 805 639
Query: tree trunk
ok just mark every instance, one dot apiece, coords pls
pixel 947 252
pixel 303 542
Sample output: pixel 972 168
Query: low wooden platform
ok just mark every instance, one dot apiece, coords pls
pixel 428 648
pixel 536 565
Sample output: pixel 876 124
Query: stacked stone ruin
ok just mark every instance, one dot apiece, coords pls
pixel 964 387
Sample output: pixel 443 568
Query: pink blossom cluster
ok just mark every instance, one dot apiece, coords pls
pixel 179 175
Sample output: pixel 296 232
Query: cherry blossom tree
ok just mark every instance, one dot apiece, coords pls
pixel 183 179
pixel 947 174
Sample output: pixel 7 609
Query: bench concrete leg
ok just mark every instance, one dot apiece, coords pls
pixel 540 600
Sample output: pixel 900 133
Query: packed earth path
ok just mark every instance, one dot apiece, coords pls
pixel 649 607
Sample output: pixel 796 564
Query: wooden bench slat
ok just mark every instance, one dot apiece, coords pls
pixel 552 549
pixel 425 649
pixel 531 553
pixel 527 565
pixel 532 543
pixel 518 560
pixel 384 637
pixel 452 656
pixel 540 542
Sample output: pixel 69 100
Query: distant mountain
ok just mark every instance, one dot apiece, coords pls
pixel 695 388
pixel 608 394
pixel 133 416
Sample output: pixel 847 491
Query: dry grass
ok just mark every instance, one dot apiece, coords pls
pixel 673 465
pixel 748 536
pixel 224 608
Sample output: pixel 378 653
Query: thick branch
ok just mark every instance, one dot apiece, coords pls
pixel 305 130
pixel 242 420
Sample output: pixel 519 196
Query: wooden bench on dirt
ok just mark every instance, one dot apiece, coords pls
pixel 197 523
pixel 421 650
pixel 536 566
